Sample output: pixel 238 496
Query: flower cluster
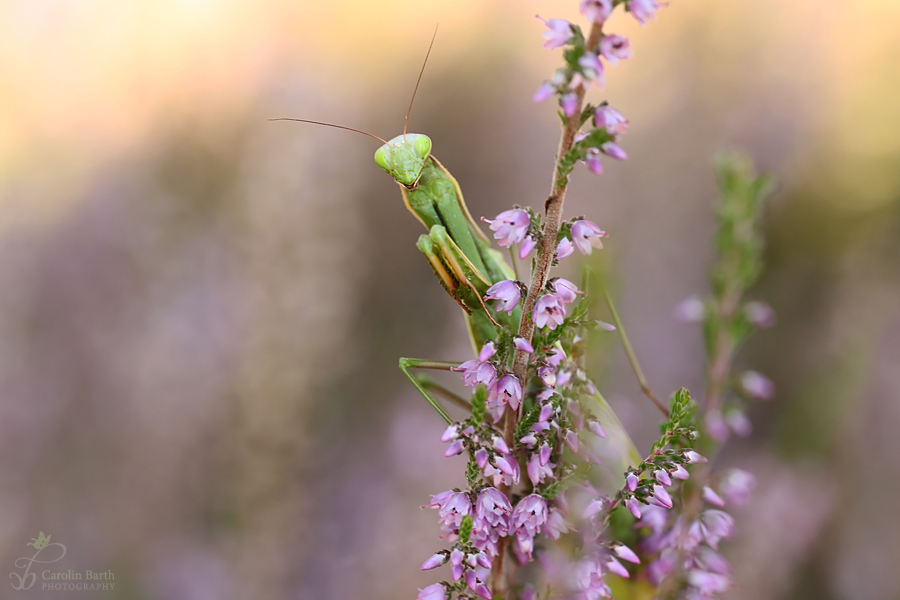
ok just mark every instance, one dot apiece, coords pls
pixel 501 505
pixel 689 543
pixel 477 528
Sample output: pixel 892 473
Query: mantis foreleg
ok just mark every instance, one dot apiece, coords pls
pixel 420 363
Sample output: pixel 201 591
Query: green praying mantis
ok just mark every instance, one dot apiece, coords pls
pixel 464 263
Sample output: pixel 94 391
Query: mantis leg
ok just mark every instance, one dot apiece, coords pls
pixel 430 384
pixel 423 385
pixel 462 281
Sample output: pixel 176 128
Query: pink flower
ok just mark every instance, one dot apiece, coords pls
pixel 479 370
pixel 565 248
pixel 739 423
pixel 507 293
pixel 510 226
pixel 491 522
pixel 614 566
pixel 589 577
pixel 694 458
pixel 434 562
pixel 660 497
pixel 715 525
pixel 529 515
pixel 680 472
pixel 643 10
pixel 633 505
pixel 549 311
pixel 492 509
pixel 662 476
pixel 712 497
pixel 591 68
pixel 596 11
pixel 595 507
pixel 613 151
pixel 526 521
pixel 546 414
pixel 487 351
pixel 736 486
pixel 544 92
pixel 597 429
pixel 593 161
pixel 608 118
pixel 456 563
pixel 451 433
pixel 475 372
pixel 708 583
pixel 438 499
pixel 586 235
pixel 565 290
pixel 615 48
pixel 559 32
pixel 690 310
pixel 506 470
pixel 453 449
pixel 544 453
pixel 571 439
pixel 555 525
pixel 454 508
pixel 631 482
pixel 757 385
pixel 716 426
pixel 526 247
pixel 760 314
pixel 569 104
pixel 626 553
pixel 555 357
pixel 508 390
pixel 523 345
pixel 538 472
pixel 547 375
pixel 434 591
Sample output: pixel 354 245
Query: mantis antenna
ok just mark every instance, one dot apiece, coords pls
pixel 416 89
pixel 333 125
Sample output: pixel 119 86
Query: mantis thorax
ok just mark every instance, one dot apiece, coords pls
pixel 404 157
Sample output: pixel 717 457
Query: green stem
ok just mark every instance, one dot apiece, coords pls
pixel 629 352
pixel 515 264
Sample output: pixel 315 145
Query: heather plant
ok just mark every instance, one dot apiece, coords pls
pixel 558 502
pixel 540 516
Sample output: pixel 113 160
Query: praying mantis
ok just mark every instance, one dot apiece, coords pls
pixel 464 263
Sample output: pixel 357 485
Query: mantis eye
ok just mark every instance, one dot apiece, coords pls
pixel 381 158
pixel 423 146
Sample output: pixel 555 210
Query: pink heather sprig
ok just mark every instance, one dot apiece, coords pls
pixel 585 68
pixel 528 411
pixel 646 483
pixel 479 520
pixel 684 546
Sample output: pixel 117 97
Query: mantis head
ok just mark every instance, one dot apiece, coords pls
pixel 404 157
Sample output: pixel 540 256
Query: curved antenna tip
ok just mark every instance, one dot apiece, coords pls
pixel 421 72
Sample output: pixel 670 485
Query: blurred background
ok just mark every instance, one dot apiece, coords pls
pixel 201 311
